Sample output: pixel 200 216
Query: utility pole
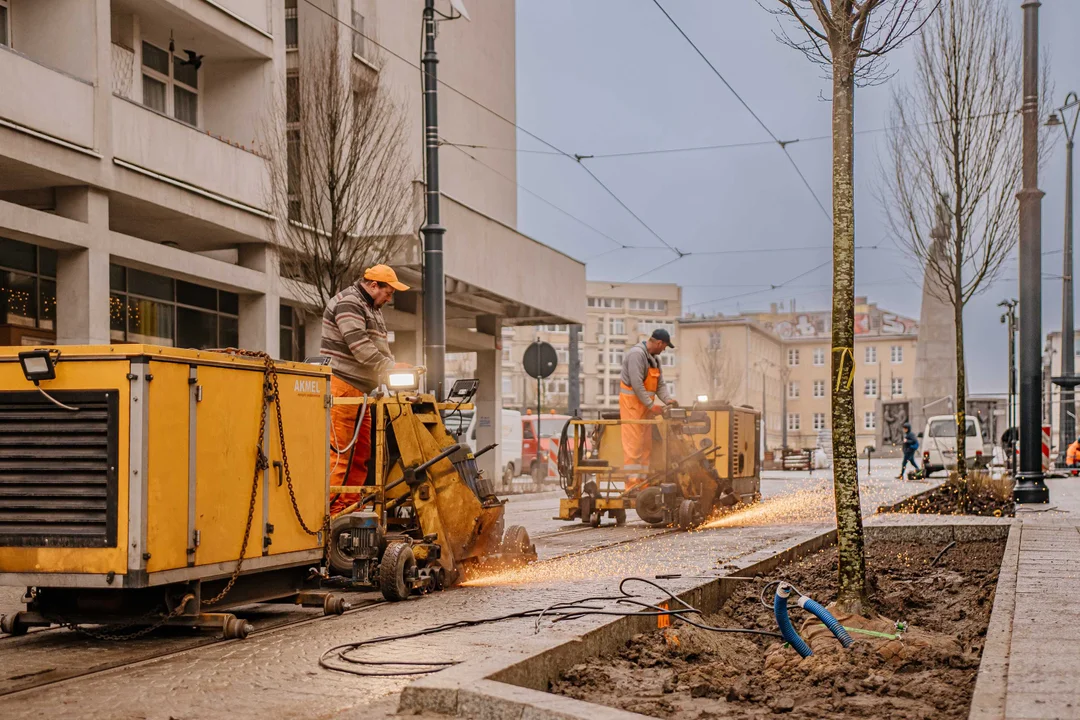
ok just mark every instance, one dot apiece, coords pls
pixel 1009 319
pixel 574 369
pixel 433 276
pixel 1067 418
pixel 1030 486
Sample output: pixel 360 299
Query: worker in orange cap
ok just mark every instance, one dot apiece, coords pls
pixel 641 385
pixel 354 337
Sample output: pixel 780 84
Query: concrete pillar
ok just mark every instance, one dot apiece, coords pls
pixel 312 334
pixel 82 275
pixel 406 346
pixel 260 315
pixel 489 398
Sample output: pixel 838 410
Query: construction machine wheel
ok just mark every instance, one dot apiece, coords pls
pixel 339 563
pixel 236 628
pixel 650 505
pixel 516 541
pixel 508 476
pixel 11 625
pixel 620 517
pixel 397 562
pixel 685 515
pixel 595 518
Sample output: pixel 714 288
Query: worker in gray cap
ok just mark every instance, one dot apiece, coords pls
pixel 641 386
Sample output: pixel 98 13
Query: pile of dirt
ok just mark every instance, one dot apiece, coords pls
pixel 985 497
pixel 928 672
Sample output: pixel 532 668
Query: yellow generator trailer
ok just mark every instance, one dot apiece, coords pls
pixel 426 516
pixel 143 485
pixel 703 458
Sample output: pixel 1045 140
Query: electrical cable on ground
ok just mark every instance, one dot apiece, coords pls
pixel 558 612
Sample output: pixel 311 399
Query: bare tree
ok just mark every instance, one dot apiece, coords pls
pixel 851 39
pixel 341 177
pixel 950 184
pixel 721 373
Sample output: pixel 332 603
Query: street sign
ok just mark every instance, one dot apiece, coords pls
pixel 540 360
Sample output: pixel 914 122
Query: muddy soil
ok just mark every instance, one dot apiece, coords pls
pixel 984 499
pixel 929 672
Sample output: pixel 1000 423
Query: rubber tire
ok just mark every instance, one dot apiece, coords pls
pixel 395 563
pixel 339 564
pixel 685 514
pixel 620 517
pixel 650 506
pixel 594 519
pixel 508 476
pixel 236 629
pixel 516 541
pixel 11 625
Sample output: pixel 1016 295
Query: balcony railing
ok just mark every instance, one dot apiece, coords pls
pixel 45 100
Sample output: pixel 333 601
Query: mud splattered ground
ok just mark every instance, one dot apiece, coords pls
pixel 684 672
pixel 985 497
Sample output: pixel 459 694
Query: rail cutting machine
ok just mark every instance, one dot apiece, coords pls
pixel 703 458
pixel 427 516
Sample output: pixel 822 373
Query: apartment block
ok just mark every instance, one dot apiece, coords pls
pixel 135 169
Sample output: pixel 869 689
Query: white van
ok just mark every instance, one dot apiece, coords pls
pixel 463 424
pixel 938 444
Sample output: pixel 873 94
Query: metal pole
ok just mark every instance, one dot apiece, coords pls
pixel 1012 383
pixel 1067 420
pixel 766 438
pixel 574 370
pixel 434 289
pixel 783 408
pixel 1030 487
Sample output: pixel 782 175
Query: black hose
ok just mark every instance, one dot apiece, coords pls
pixel 565 459
pixel 569 610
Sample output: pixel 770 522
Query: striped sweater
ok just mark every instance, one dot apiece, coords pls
pixel 354 338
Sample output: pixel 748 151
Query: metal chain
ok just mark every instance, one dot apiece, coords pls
pixel 112 634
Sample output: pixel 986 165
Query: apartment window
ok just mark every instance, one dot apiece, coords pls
pixel 870 387
pixel 819 357
pixel 605 303
pixel 615 356
pixel 819 388
pixel 4 40
pixel 649 305
pixel 871 354
pixel 793 356
pixel 292 34
pixel 647 327
pixel 563 354
pixel 555 328
pixel 358 31
pixel 897 387
pixel 793 422
pixel 506 356
pixel 292 334
pixel 667 360
pixel 613 387
pixel 156 310
pixel 27 285
pixel 793 390
pixel 555 386
pixel 869 420
pixel 507 386
pixel 617 326
pixel 170 84
pixel 670 387
pixel 896 353
pixel 819 421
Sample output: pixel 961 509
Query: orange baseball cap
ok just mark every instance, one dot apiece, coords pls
pixel 385 274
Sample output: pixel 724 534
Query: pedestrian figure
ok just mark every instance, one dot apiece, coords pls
pixel 911 444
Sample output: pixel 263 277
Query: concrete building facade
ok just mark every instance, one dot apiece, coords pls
pixel 134 200
pixel 780 361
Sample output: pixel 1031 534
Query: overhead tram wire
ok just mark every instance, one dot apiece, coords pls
pixel 782 143
pixel 576 158
pixel 768 289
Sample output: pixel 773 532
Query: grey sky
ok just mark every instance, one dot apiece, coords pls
pixel 611 76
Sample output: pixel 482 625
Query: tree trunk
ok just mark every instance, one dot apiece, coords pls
pixel 852 562
pixel 961 404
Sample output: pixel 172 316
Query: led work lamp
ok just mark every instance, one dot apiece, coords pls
pixel 403 379
pixel 38 365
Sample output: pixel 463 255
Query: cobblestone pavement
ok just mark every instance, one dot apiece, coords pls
pixel 276 673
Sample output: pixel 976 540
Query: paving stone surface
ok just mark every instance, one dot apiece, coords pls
pixel 276 673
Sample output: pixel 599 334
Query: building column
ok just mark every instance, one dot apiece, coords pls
pixel 260 315
pixel 312 335
pixel 488 399
pixel 82 274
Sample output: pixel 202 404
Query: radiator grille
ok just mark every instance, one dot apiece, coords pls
pixel 58 477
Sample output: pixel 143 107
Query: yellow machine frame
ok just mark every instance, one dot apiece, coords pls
pixel 152 488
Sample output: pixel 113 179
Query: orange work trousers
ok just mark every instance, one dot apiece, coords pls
pixel 350 467
pixel 636 439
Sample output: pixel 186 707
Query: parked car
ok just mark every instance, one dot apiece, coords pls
pixel 550 427
pixel 938 444
pixel 463 425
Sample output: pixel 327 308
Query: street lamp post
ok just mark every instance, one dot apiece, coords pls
pixel 1030 487
pixel 1009 319
pixel 434 279
pixel 1066 413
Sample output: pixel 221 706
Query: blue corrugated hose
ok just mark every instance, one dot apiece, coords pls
pixel 780 609
pixel 815 608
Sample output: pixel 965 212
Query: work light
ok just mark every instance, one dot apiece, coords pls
pixel 403 379
pixel 703 398
pixel 38 365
